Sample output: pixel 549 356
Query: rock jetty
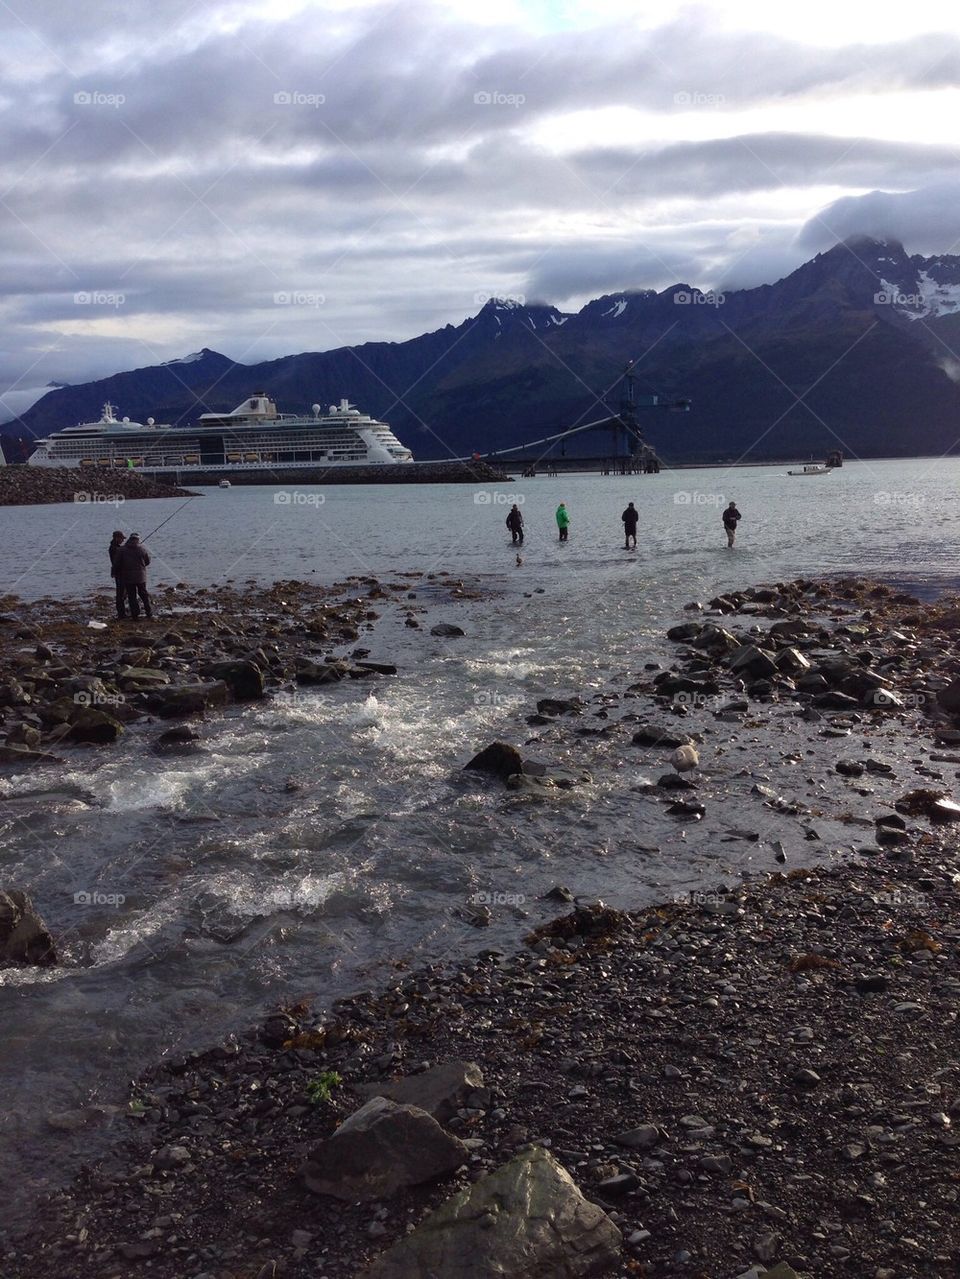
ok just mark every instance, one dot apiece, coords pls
pixel 39 485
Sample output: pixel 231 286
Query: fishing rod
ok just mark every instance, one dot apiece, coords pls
pixel 169 518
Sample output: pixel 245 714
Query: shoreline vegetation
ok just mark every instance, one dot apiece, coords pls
pixel 757 1079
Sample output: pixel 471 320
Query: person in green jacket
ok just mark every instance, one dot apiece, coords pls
pixel 563 521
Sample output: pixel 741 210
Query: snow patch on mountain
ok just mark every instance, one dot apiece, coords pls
pixel 617 309
pixel 187 359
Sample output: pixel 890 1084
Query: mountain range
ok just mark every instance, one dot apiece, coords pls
pixel 856 349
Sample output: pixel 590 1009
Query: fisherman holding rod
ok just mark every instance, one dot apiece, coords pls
pixel 128 565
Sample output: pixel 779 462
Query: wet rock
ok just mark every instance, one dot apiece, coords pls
pixel 178 739
pixel 179 700
pixel 949 697
pixel 559 893
pixel 667 738
pixel 499 759
pixel 446 630
pixel 559 706
pixel 11 753
pixel 314 673
pixel 687 808
pixel 440 1091
pixel 278 1029
pixel 24 937
pixel 91 724
pixel 244 679
pixel 849 768
pixel 525 1219
pixel 685 631
pixel 382 1148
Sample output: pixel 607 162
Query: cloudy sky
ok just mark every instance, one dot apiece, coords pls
pixel 271 176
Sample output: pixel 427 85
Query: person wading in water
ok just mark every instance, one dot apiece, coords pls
pixel 116 542
pixel 630 517
pixel 515 524
pixel 731 517
pixel 563 521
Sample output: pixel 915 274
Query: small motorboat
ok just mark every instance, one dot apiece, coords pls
pixel 812 468
pixel 224 484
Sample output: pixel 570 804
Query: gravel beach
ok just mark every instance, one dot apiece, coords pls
pixel 756 1078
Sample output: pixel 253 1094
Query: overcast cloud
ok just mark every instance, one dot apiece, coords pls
pixel 272 177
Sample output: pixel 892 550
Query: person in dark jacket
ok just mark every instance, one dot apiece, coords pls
pixel 630 517
pixel 115 543
pixel 731 517
pixel 132 561
pixel 515 524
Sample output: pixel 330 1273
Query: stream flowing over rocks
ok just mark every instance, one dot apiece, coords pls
pixel 755 1078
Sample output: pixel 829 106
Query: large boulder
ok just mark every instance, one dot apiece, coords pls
pixel 499 759
pixel 949 697
pixel 24 937
pixel 177 700
pixel 524 1220
pixel 380 1149
pixel 90 724
pixel 440 1091
pixel 245 679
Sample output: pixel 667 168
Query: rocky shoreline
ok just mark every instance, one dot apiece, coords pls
pixel 759 1078
pixel 70 684
pixel 41 485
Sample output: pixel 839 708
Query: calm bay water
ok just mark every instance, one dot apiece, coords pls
pixel 238 892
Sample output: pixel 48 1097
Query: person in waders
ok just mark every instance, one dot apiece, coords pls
pixel 515 525
pixel 563 521
pixel 731 517
pixel 630 517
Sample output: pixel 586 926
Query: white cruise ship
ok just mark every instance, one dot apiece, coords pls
pixel 252 437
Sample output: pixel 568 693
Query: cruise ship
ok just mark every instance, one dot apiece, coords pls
pixel 253 437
